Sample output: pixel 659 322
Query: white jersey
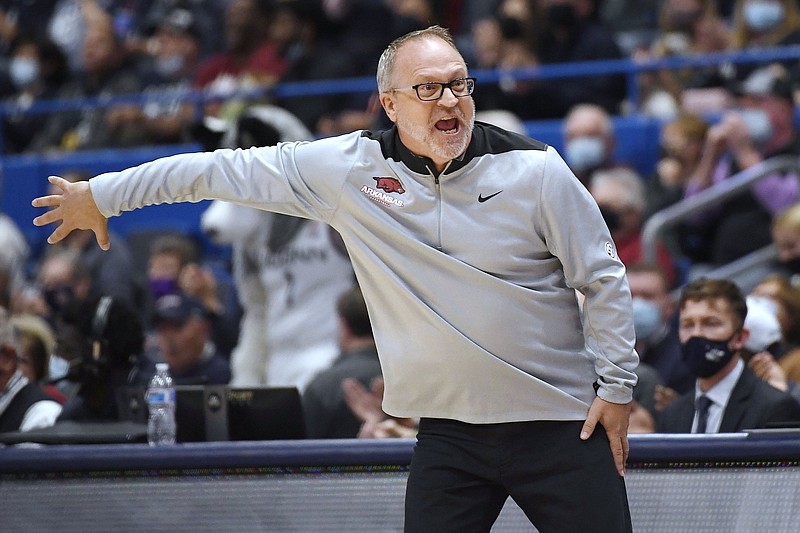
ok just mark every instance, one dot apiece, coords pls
pixel 469 274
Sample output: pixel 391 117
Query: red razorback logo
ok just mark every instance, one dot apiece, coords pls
pixel 389 184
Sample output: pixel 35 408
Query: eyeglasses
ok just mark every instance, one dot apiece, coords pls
pixel 433 90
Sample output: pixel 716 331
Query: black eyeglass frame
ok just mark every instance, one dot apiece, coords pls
pixel 470 85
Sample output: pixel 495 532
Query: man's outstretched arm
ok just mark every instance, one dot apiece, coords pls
pixel 74 207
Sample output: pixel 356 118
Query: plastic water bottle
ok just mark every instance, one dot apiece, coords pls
pixel 161 405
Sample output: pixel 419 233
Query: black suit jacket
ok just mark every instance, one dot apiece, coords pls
pixel 753 404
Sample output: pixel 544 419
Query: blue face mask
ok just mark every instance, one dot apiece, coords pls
pixel 706 357
pixel 762 16
pixel 584 153
pixel 647 323
pixel 759 127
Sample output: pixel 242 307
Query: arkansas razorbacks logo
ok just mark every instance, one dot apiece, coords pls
pixel 389 184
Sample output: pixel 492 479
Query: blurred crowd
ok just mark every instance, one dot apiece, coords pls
pixel 285 311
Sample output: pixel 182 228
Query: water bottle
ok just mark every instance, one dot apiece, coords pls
pixel 161 405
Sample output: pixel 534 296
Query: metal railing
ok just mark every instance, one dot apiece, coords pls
pixel 630 68
pixel 712 196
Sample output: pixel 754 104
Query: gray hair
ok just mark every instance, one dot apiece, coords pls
pixel 628 182
pixel 388 57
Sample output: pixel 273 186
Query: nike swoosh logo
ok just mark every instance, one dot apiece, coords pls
pixel 482 198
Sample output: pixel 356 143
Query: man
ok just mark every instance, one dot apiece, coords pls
pixel 589 140
pixel 327 415
pixel 728 396
pixel 620 194
pixel 23 405
pixel 183 335
pixel 469 243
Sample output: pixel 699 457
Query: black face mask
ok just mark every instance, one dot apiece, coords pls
pixel 58 297
pixel 792 265
pixel 611 217
pixel 706 357
pixel 562 15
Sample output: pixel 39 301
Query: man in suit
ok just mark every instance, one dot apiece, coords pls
pixel 728 396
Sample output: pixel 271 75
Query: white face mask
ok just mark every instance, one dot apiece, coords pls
pixel 758 125
pixel 584 153
pixel 57 367
pixel 647 323
pixel 762 16
pixel 23 71
pixel 168 66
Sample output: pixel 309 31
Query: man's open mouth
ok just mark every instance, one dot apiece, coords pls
pixel 447 125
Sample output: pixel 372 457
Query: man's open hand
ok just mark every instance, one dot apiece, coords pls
pixel 73 208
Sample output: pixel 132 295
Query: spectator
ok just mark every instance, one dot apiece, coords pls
pixel 589 141
pixel 174 268
pixel 168 74
pixel 23 405
pixel 326 413
pixel 575 33
pixel 62 277
pixel 786 299
pixel 107 72
pixel 786 238
pixel 250 59
pixel 619 192
pixel 102 339
pixel 762 127
pixel 23 17
pixel 728 396
pixel 38 69
pixel 36 344
pixel 312 55
pixel 764 342
pixel 685 27
pixel 183 335
pixel 682 141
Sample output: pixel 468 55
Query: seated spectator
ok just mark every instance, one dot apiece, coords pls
pixel 685 27
pixel 168 71
pixel 250 59
pixel 102 340
pixel 728 396
pixel 786 238
pixel 38 69
pixel 62 277
pixel 681 141
pixel 786 299
pixel 107 72
pixel 619 192
pixel 575 33
pixel 23 405
pixel 762 127
pixel 764 342
pixel 655 325
pixel 183 335
pixel 589 141
pixel 326 413
pixel 36 344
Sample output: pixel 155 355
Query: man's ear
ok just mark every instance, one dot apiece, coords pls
pixel 387 102
pixel 739 339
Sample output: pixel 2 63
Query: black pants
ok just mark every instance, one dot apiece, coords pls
pixel 461 475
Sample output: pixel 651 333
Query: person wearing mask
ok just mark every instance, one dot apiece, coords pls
pixel 589 141
pixel 728 396
pixel 469 243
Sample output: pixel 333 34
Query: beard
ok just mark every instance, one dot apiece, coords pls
pixel 440 145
